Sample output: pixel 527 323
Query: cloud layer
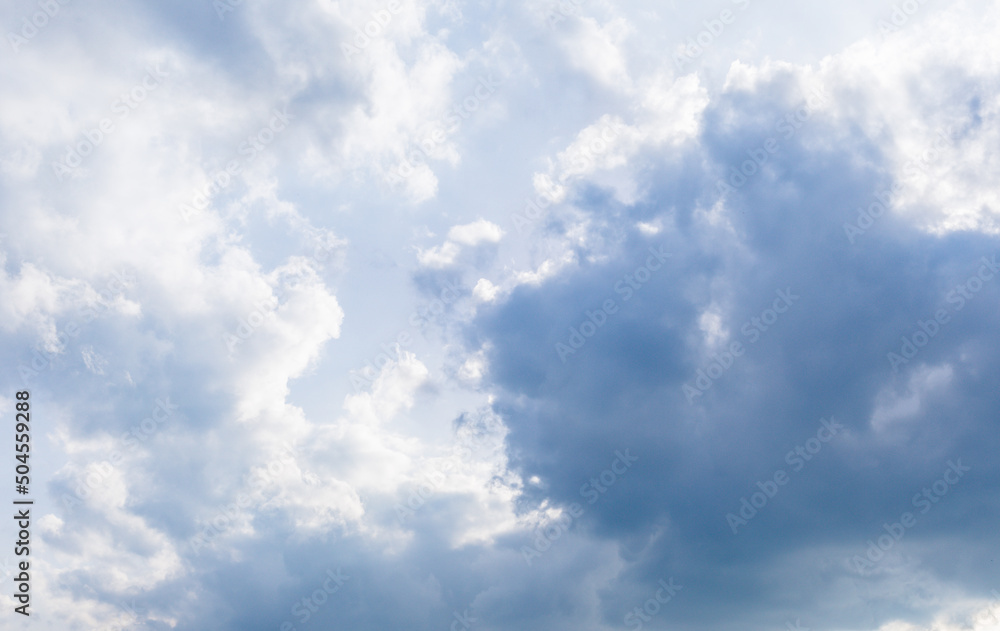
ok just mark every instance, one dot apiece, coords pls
pixel 432 315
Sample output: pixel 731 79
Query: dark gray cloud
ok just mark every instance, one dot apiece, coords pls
pixel 826 357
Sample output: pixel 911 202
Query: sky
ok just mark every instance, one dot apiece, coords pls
pixel 492 316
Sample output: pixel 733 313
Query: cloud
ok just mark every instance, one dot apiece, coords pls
pixel 481 231
pixel 188 304
pixel 468 235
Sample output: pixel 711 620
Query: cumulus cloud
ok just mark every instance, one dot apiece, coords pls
pixel 624 322
pixel 469 235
